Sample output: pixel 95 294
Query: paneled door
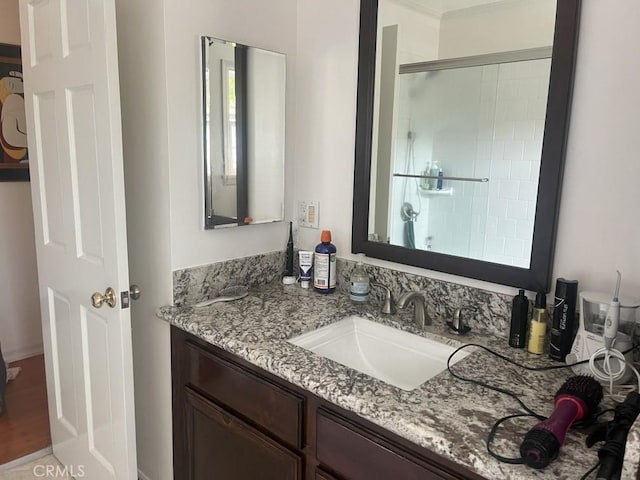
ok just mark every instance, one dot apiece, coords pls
pixel 77 182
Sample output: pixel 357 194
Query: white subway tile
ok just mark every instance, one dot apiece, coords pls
pixel 507 227
pixel 524 229
pixel 500 169
pixel 532 150
pixel 507 89
pixel 485 133
pixel 492 225
pixel 539 130
pixel 513 150
pixel 528 87
pixel 516 209
pixel 514 247
pixel 490 73
pixel 521 262
pixel 494 245
pixel 482 166
pixel 509 190
pixel 498 207
pixel 501 259
pixel 528 191
pixel 524 130
pixel 520 170
pixel 535 171
pixel 503 131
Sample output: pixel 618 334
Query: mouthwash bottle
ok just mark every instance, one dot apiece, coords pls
pixel 324 264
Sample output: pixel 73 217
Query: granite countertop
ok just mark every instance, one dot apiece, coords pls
pixel 444 415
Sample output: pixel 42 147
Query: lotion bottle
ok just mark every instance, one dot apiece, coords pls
pixel 538 328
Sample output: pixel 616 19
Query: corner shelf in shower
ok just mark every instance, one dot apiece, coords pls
pixel 445 192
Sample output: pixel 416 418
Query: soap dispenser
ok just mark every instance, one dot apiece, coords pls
pixel 359 283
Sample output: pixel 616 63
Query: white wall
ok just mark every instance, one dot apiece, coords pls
pixel 159 59
pixel 497 27
pixel 20 328
pixel 269 25
pixel 146 164
pixel 599 220
pixel 266 94
pixel 599 228
pixel 326 71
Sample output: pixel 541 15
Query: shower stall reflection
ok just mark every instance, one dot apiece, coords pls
pixel 472 123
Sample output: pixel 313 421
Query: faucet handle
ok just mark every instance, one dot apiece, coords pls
pixel 457 325
pixel 389 306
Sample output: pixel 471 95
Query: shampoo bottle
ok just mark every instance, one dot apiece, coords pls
pixel 519 318
pixel 434 170
pixel 324 269
pixel 564 313
pixel 538 328
pixel 359 283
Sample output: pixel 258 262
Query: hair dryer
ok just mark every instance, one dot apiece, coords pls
pixel 576 399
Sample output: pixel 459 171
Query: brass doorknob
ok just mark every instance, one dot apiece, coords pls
pixel 109 297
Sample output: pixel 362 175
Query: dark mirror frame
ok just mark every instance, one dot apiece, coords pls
pixel 538 276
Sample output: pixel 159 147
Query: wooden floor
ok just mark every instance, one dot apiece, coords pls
pixel 24 427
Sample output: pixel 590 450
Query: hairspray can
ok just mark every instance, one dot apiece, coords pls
pixel 564 314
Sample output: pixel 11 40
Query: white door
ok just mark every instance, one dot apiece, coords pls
pixel 77 183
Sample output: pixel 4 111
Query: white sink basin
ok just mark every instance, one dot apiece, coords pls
pixel 388 354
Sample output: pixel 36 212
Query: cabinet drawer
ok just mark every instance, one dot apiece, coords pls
pixel 357 454
pixel 251 396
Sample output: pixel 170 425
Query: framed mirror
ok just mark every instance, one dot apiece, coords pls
pixel 462 119
pixel 243 124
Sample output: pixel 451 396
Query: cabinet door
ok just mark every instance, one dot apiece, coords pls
pixel 320 475
pixel 222 447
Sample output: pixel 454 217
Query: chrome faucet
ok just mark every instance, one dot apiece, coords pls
pixel 388 306
pixel 418 301
pixel 457 325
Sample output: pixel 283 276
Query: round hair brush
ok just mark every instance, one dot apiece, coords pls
pixel 576 399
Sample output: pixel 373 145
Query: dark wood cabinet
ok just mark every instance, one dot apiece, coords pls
pixel 235 421
pixel 320 475
pixel 223 447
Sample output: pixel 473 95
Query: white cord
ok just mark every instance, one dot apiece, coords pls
pixel 606 374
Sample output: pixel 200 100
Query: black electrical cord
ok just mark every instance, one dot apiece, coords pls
pixel 590 471
pixel 530 412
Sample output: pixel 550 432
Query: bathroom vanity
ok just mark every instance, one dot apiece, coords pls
pixel 240 388
pixel 225 408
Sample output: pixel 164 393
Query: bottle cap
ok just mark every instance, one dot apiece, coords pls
pixel 566 288
pixel 325 236
pixel 541 300
pixel 288 280
pixel 304 283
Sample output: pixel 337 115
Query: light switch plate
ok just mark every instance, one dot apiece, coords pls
pixel 308 213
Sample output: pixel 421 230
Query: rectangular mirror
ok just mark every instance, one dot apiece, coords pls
pixel 243 105
pixel 463 107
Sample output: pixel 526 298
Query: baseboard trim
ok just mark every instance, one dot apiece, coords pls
pixel 26 459
pixel 11 356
